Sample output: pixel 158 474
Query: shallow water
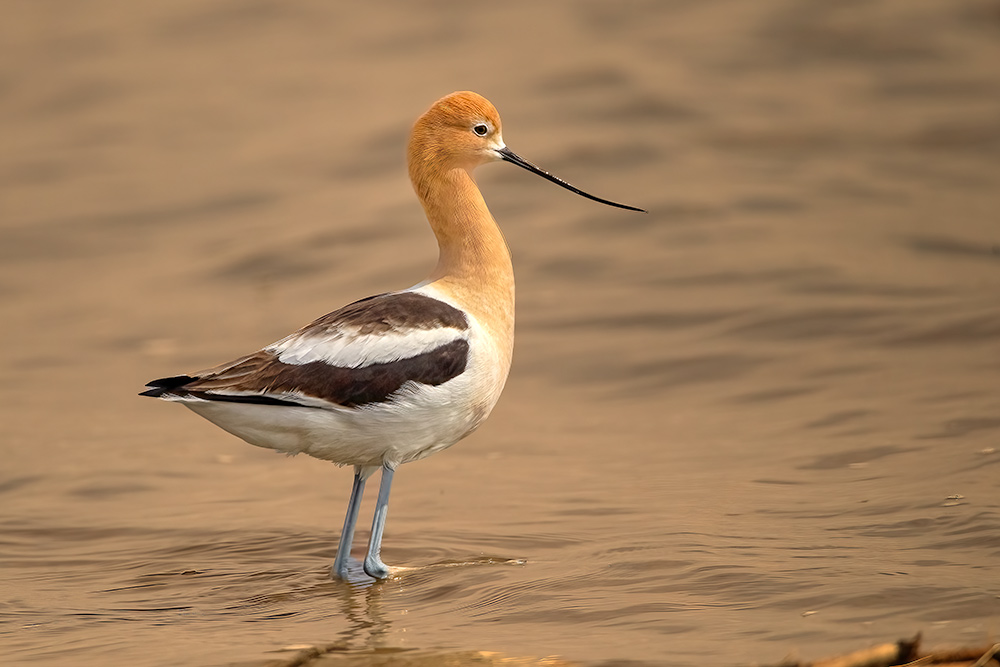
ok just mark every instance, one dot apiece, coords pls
pixel 761 420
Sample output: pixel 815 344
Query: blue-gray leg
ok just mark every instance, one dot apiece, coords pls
pixel 350 521
pixel 374 566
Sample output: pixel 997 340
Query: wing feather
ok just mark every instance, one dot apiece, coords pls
pixel 361 354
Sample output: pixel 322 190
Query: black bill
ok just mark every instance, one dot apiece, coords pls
pixel 512 157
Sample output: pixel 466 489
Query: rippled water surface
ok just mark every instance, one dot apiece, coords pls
pixel 761 420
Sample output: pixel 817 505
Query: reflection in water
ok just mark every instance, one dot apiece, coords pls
pixel 360 604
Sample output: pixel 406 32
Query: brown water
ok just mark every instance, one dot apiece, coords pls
pixel 763 419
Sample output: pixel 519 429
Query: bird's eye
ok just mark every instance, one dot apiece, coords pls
pixel 481 130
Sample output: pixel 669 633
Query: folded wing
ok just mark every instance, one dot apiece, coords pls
pixel 359 355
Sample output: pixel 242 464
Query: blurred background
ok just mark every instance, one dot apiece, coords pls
pixel 760 421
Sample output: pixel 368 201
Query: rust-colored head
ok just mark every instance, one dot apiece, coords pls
pixel 460 130
pixel 463 131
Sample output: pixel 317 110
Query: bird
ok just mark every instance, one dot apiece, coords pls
pixel 395 377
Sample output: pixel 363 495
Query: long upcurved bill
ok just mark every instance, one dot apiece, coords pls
pixel 510 156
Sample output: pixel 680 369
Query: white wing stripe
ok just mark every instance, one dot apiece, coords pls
pixel 352 350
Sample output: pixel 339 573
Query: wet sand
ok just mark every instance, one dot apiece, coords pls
pixel 761 420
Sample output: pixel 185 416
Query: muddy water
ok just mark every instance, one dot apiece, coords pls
pixel 761 420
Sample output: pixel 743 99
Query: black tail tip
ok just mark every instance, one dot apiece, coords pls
pixel 163 386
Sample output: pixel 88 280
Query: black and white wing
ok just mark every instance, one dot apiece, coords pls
pixel 359 355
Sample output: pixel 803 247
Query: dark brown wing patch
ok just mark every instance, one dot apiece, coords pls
pixel 261 378
pixel 394 311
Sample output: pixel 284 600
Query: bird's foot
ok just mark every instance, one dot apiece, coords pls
pixel 339 571
pixel 375 568
pixel 340 563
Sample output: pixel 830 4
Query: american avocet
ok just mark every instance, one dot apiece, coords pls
pixel 395 377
